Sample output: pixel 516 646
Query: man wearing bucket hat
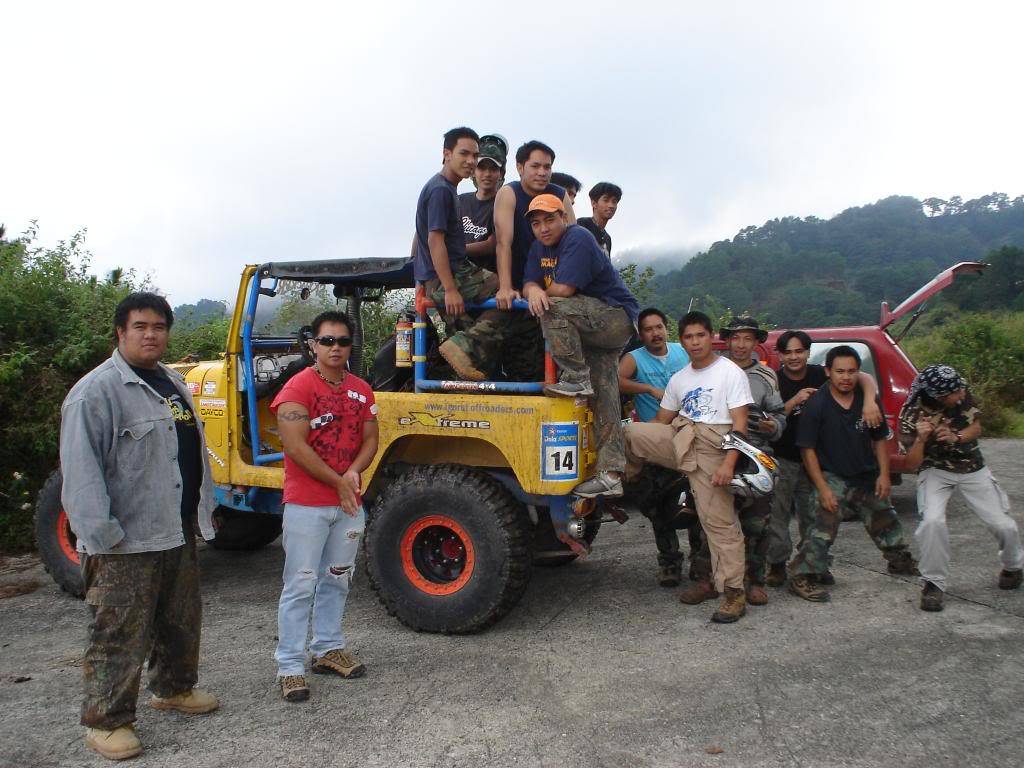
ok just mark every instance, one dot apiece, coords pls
pixel 587 315
pixel 939 427
pixel 765 423
pixel 477 208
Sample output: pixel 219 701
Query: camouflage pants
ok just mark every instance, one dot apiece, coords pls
pixel 585 337
pixel 666 539
pixel 754 518
pixel 480 334
pixel 793 497
pixel 821 527
pixel 144 604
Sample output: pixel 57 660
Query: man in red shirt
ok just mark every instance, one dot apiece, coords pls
pixel 327 420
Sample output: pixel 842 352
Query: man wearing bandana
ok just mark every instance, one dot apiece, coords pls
pixel 939 428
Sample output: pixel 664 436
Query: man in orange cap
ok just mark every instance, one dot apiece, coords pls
pixel 587 315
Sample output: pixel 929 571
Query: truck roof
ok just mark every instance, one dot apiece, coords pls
pixel 373 272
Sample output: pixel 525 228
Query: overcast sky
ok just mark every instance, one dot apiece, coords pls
pixel 191 139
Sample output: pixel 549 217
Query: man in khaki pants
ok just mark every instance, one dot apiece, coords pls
pixel 702 403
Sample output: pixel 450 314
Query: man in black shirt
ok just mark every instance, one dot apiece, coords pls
pixel 793 491
pixel 477 208
pixel 848 463
pixel 604 201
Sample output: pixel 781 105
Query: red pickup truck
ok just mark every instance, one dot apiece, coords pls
pixel 879 349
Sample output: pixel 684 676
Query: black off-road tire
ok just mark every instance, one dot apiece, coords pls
pixel 55 540
pixel 243 531
pixel 429 513
pixel 548 551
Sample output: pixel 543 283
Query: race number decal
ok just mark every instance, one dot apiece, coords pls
pixel 560 450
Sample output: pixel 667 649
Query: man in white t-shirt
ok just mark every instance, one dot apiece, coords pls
pixel 702 403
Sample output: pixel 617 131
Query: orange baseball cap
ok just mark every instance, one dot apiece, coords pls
pixel 545 203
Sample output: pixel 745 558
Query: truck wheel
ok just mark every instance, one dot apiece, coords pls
pixel 240 531
pixel 548 551
pixel 55 540
pixel 447 549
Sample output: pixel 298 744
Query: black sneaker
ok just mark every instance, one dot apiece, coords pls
pixel 931 597
pixel 568 389
pixel 669 576
pixel 1010 579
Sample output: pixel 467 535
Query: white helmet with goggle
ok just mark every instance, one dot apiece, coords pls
pixel 755 471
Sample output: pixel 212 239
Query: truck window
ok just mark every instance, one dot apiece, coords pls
pixel 819 349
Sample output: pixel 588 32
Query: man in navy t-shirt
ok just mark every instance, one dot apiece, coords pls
pixel 587 315
pixel 448 277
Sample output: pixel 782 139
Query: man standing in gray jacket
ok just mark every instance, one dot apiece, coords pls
pixel 136 483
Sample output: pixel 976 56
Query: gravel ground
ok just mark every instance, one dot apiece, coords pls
pixel 598 666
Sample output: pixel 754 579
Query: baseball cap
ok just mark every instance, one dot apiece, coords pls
pixel 545 203
pixel 494 148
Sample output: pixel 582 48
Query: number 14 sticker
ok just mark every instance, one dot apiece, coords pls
pixel 560 446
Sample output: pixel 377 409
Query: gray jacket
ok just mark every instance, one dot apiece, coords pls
pixel 119 458
pixel 764 386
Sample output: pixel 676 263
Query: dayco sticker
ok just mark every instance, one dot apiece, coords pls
pixel 425 419
pixel 212 406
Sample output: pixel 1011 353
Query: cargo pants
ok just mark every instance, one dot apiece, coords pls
pixel 480 334
pixel 142 604
pixel 585 337
pixel 754 516
pixel 793 497
pixel 695 449
pixel 821 526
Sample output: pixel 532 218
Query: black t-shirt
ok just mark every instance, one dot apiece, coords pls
pixel 189 460
pixel 841 439
pixel 814 377
pixel 477 224
pixel 601 235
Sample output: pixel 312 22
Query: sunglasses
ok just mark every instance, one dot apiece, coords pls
pixel 330 341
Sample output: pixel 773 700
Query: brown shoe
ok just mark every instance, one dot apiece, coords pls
pixel 732 607
pixel 805 586
pixel 338 662
pixel 904 565
pixel 756 594
pixel 294 688
pixel 460 361
pixel 193 702
pixel 931 597
pixel 118 744
pixel 698 592
pixel 776 575
pixel 669 576
pixel 1010 579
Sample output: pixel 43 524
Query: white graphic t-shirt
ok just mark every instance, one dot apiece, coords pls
pixel 707 394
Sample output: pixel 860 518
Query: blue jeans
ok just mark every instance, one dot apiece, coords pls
pixel 320 545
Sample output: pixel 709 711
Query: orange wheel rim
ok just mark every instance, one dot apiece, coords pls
pixel 437 555
pixel 66 538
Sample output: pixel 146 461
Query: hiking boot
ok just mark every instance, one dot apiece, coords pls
pixel 669 576
pixel 776 574
pixel 732 607
pixel 118 744
pixel 601 484
pixel 904 565
pixel 806 587
pixel 826 579
pixel 338 662
pixel 568 389
pixel 698 592
pixel 756 594
pixel 294 688
pixel 1010 579
pixel 193 702
pixel 931 597
pixel 460 361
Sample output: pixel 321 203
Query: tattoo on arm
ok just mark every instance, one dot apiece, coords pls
pixel 293 416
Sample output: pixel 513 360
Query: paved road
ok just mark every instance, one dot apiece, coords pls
pixel 597 666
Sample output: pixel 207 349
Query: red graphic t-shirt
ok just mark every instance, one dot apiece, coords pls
pixel 336 441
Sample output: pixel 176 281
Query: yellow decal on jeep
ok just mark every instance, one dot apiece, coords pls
pixel 424 419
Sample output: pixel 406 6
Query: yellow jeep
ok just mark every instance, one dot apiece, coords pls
pixel 472 483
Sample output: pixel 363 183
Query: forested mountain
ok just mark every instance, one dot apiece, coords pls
pixel 815 272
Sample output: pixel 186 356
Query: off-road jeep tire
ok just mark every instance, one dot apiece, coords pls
pixel 55 540
pixel 447 549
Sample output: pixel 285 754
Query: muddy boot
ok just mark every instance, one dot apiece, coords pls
pixel 669 576
pixel 807 587
pixel 1010 579
pixel 931 597
pixel 460 361
pixel 903 565
pixel 826 579
pixel 732 607
pixel 776 575
pixel 756 594
pixel 698 592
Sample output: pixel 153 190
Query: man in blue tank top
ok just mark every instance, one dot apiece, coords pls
pixel 643 373
pixel 523 353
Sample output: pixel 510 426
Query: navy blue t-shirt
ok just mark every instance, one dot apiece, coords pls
pixel 579 261
pixel 437 210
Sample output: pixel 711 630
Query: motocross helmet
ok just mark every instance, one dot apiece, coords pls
pixel 755 471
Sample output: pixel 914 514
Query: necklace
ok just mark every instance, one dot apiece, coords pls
pixel 332 383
